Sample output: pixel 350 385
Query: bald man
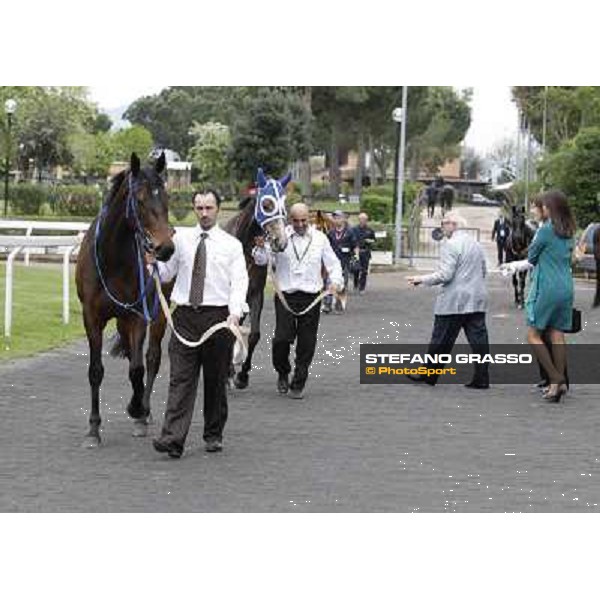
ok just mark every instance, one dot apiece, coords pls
pixel 299 278
pixel 365 238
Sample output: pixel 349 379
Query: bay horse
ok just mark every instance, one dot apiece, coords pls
pixel 113 283
pixel 446 198
pixel 517 244
pixel 262 215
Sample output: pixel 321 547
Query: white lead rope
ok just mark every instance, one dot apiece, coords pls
pixel 282 299
pixel 241 349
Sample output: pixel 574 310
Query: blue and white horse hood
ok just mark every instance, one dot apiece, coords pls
pixel 270 198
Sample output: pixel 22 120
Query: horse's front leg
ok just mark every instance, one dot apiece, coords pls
pixel 153 360
pixel 523 286
pixel 136 334
pixel 93 328
pixel 515 280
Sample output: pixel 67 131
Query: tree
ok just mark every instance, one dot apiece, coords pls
pixel 170 114
pixel 502 159
pixel 447 116
pixel 45 119
pixel 92 154
pixel 575 169
pixel 133 139
pixel 209 154
pixel 472 163
pixel 270 131
pixel 567 110
pixel 102 123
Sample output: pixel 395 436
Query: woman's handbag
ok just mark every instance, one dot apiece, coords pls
pixel 575 322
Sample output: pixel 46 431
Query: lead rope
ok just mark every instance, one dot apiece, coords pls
pixel 241 349
pixel 271 271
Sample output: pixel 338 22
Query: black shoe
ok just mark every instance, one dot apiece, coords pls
pixel 421 379
pixel 540 385
pixel 283 385
pixel 477 386
pixel 213 446
pixel 169 449
pixel 296 393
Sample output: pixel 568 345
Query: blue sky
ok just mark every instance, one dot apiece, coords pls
pixel 494 115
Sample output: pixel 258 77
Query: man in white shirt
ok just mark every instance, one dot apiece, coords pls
pixel 300 280
pixel 211 287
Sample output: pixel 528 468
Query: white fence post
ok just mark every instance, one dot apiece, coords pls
pixel 28 234
pixel 66 303
pixel 9 289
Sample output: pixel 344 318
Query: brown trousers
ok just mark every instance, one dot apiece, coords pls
pixel 214 356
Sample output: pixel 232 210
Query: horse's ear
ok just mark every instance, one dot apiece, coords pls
pixel 261 180
pixel 284 182
pixel 135 164
pixel 161 163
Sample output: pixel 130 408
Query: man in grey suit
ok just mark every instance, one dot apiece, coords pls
pixel 462 299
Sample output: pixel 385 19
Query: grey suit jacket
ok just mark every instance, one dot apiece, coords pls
pixel 461 276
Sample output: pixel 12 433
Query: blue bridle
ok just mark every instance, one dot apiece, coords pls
pixel 142 243
pixel 270 199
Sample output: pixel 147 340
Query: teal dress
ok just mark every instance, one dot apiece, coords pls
pixel 550 300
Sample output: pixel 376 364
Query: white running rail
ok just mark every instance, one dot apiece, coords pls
pixel 30 227
pixel 16 244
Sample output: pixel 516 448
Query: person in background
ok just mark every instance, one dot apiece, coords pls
pixel 462 300
pixel 500 233
pixel 344 244
pixel 365 237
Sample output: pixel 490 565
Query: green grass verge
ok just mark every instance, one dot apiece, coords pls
pixel 37 311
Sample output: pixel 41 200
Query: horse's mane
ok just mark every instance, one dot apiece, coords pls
pixel 117 181
pixel 243 226
pixel 115 184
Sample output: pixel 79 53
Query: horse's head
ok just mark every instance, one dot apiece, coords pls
pixel 148 207
pixel 270 211
pixel 520 232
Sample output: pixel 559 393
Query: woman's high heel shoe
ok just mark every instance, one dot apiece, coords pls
pixel 561 390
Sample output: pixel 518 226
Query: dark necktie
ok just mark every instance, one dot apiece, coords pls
pixel 199 273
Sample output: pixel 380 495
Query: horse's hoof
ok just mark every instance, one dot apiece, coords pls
pixel 140 428
pixel 134 411
pixel 91 441
pixel 240 382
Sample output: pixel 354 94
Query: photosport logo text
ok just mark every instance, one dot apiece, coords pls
pixel 393 363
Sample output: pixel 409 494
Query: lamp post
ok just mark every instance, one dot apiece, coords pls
pixel 400 115
pixel 9 107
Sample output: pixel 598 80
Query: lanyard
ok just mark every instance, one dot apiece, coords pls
pixel 298 257
pixel 339 236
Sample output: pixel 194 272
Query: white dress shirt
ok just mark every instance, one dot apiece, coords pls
pixel 298 267
pixel 226 282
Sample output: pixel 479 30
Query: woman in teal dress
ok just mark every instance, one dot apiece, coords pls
pixel 549 305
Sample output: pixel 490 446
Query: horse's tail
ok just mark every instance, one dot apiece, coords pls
pixel 120 347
